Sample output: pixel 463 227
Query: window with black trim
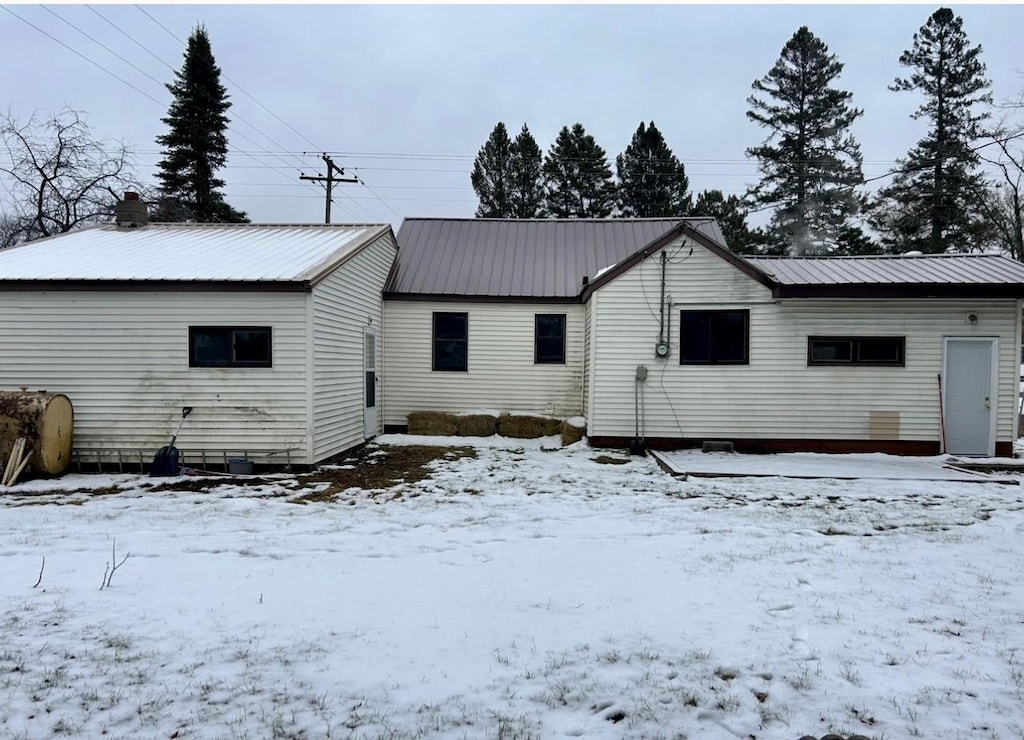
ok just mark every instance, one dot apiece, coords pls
pixel 229 346
pixel 549 338
pixel 885 351
pixel 714 337
pixel 451 341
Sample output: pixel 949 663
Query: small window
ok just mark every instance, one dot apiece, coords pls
pixel 856 351
pixel 714 337
pixel 229 346
pixel 451 348
pixel 549 339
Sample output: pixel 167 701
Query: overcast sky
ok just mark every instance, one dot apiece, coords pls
pixel 404 96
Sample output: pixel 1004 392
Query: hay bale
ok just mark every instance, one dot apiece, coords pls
pixel 552 427
pixel 573 430
pixel 432 423
pixel 520 426
pixel 475 425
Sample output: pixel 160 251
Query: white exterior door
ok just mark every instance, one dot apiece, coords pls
pixel 369 384
pixel 970 396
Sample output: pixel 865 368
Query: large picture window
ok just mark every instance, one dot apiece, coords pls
pixel 229 346
pixel 889 351
pixel 451 341
pixel 549 338
pixel 714 337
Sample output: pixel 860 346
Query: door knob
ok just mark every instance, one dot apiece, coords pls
pixel 988 402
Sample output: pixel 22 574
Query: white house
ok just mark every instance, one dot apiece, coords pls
pixel 653 329
pixel 270 333
pixel 275 336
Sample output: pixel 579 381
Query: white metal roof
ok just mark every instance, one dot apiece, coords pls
pixel 188 252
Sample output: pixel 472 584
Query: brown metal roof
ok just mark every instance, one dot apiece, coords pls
pixel 960 269
pixel 519 258
pixel 547 259
pixel 894 276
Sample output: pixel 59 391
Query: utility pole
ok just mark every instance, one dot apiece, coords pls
pixel 330 180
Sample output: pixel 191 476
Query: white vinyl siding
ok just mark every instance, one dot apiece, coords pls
pixel 345 305
pixel 122 359
pixel 501 373
pixel 777 396
pixel 588 359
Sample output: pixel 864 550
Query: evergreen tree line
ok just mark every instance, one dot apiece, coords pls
pixel 574 179
pixel 810 166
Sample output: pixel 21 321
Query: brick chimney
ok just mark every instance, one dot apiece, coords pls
pixel 131 212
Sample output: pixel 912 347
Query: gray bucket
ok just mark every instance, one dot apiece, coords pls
pixel 239 466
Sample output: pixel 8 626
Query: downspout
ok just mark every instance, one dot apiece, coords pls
pixel 661 325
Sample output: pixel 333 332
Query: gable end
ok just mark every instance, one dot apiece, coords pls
pixel 682 229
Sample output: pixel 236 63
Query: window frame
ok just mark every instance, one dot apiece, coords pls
pixel 434 340
pixel 537 359
pixel 230 331
pixel 855 341
pixel 711 313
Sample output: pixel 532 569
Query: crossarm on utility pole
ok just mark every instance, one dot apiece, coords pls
pixel 330 179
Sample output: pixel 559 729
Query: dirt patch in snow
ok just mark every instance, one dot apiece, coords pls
pixel 203 483
pixel 375 468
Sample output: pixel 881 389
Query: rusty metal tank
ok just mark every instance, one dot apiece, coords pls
pixel 45 420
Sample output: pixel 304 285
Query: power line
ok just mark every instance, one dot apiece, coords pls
pixel 329 179
pixel 83 56
pixel 140 91
pixel 131 64
pixel 259 103
pixel 130 38
pixel 235 84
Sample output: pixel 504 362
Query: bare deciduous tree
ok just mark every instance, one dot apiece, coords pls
pixel 1003 202
pixel 59 176
pixel 11 228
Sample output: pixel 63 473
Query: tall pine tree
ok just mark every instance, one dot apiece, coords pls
pixel 579 181
pixel 652 181
pixel 810 163
pixel 195 146
pixel 507 176
pixel 492 175
pixel 527 193
pixel 932 203
pixel 732 219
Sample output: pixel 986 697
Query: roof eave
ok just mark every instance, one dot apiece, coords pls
pixel 178 286
pixel 902 290
pixel 459 298
pixel 318 272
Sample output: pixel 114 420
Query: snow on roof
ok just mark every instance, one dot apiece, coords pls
pixel 187 252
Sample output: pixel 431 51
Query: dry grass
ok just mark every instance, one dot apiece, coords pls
pixel 528 427
pixel 374 468
pixel 475 425
pixel 432 423
pixel 608 460
pixel 203 483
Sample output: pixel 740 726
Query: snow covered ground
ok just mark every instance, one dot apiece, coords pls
pixel 521 593
pixel 867 466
